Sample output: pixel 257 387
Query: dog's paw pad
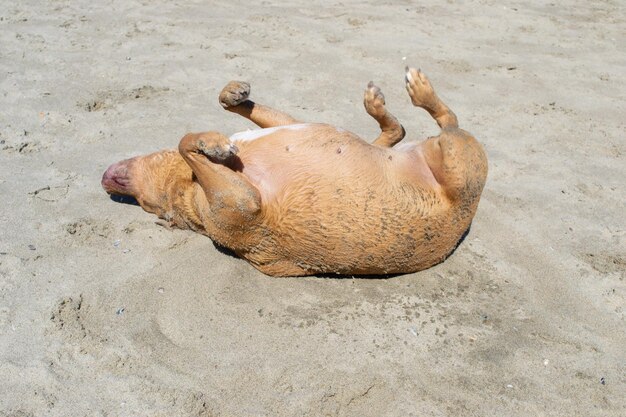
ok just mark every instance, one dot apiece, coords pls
pixel 234 93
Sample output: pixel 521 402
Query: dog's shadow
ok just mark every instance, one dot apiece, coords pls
pixel 124 199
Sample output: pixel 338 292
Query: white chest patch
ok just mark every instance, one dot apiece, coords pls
pixel 250 135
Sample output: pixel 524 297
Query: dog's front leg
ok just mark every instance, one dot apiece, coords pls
pixel 233 202
pixel 234 98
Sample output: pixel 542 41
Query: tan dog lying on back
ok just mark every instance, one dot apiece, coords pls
pixel 302 199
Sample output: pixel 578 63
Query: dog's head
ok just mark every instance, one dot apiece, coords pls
pixel 146 179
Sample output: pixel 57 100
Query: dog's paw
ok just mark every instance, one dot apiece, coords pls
pixel 374 100
pixel 419 88
pixel 215 146
pixel 234 93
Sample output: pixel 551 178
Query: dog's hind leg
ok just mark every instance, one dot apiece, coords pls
pixel 392 130
pixel 456 159
pixel 234 98
pixel 423 95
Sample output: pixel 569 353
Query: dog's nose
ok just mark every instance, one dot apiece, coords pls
pixel 116 179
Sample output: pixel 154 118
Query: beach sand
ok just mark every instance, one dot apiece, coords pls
pixel 105 313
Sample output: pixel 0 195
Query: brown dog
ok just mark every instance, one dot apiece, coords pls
pixel 302 199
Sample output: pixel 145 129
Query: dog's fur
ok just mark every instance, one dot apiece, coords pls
pixel 302 199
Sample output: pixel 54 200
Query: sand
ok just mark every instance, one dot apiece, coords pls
pixel 105 313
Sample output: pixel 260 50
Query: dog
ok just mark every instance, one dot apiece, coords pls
pixel 297 199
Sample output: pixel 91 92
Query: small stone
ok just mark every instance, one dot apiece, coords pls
pixel 32 247
pixel 120 311
pixel 161 290
pixel 117 243
pixel 126 251
pixel 509 386
pixel 546 362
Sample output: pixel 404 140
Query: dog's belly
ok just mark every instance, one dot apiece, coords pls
pixel 278 159
pixel 333 200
